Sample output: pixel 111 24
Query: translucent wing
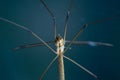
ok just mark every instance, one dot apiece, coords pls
pixel 76 36
pixel 91 43
pixel 32 45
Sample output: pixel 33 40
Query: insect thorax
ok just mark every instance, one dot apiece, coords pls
pixel 59 42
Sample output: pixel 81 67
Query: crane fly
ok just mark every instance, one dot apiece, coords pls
pixel 60 42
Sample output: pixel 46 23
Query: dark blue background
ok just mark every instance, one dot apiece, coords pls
pixel 28 64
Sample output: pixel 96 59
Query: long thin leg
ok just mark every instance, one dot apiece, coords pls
pixel 103 20
pixel 52 15
pixel 80 66
pixel 80 31
pixel 90 23
pixel 45 71
pixel 28 30
pixel 32 45
pixel 67 18
pixel 91 43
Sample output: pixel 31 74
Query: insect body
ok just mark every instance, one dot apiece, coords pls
pixel 59 43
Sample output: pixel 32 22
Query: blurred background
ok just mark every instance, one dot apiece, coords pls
pixel 28 64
